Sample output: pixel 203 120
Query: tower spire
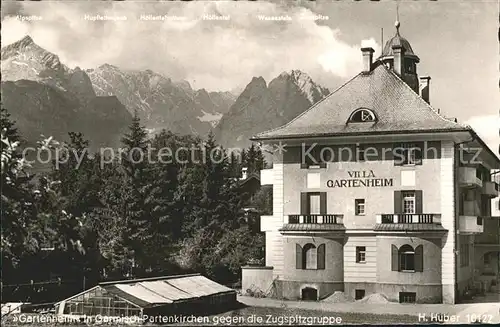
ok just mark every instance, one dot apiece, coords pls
pixel 397 23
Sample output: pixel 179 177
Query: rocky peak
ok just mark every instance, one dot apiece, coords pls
pixel 27 50
pixel 257 84
pixel 304 83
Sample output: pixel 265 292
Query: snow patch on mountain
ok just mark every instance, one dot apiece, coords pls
pixel 213 119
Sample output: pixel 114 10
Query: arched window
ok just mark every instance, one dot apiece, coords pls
pixel 407 259
pixel 362 115
pixel 310 256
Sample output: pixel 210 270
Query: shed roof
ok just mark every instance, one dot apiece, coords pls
pixel 164 290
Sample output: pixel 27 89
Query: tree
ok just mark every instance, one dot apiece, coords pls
pixel 254 159
pixel 18 211
pixel 138 209
pixel 110 224
pixel 8 125
pixel 135 144
pixel 78 174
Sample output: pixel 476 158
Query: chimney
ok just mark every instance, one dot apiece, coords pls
pixel 425 82
pixel 244 173
pixel 367 59
pixel 398 59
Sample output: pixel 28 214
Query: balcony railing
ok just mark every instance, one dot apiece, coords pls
pixel 470 224
pixel 418 218
pixel 490 189
pixel 468 177
pixel 316 219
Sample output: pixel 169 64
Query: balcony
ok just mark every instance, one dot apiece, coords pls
pixel 467 177
pixel 470 208
pixel 307 224
pixel 470 225
pixel 490 189
pixel 266 177
pixel 491 233
pixel 419 218
pixel 420 222
pixel 316 219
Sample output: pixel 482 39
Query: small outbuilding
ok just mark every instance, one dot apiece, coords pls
pixel 180 294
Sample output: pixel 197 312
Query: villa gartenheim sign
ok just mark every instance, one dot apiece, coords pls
pixel 360 178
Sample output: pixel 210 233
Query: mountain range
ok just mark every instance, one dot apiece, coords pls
pixel 262 106
pixel 46 97
pixel 160 102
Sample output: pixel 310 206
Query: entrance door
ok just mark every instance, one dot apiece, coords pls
pixel 309 294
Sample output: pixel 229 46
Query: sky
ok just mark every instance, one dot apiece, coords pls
pixel 456 40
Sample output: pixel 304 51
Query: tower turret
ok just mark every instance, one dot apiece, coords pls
pixel 399 56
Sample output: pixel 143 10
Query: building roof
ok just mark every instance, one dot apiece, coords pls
pixel 397 107
pixel 397 40
pixel 409 227
pixel 312 227
pixel 251 176
pixel 164 290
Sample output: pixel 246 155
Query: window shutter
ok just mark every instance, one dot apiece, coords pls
pixel 398 152
pixel 317 155
pixel 395 258
pixel 322 205
pixel 419 153
pixel 398 202
pixel 303 162
pixel 304 204
pixel 321 257
pixel 298 257
pixel 419 258
pixel 418 201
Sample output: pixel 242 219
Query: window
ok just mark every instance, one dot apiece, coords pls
pixel 410 66
pixel 362 115
pixel 408 154
pixel 407 297
pixel 409 202
pixel 464 255
pixel 310 256
pixel 359 205
pixel 360 153
pixel 359 294
pixel 487 259
pixel 313 156
pixel 313 180
pixel 360 254
pixel 314 204
pixel 407 258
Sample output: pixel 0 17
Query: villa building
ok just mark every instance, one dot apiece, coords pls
pixel 374 191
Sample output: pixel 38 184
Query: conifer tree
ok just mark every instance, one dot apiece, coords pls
pixel 134 160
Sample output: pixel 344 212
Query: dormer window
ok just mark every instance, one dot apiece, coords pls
pixel 362 115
